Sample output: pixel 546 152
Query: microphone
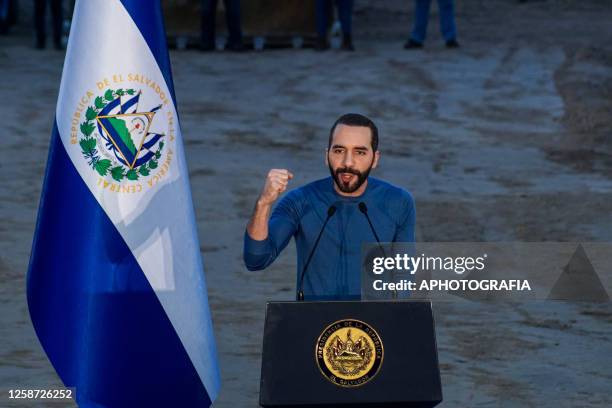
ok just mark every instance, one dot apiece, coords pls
pixel 330 211
pixel 364 209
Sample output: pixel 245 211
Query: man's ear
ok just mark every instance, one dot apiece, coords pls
pixel 327 157
pixel 376 159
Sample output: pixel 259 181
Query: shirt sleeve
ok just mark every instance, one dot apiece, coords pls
pixel 405 230
pixel 283 224
pixel 405 233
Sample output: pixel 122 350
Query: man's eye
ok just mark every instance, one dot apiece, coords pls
pixel 337 151
pixel 361 153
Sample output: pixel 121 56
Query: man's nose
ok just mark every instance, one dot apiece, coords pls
pixel 348 160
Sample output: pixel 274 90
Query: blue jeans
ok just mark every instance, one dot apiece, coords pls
pixel 345 10
pixel 421 18
pixel 232 17
pixel 40 7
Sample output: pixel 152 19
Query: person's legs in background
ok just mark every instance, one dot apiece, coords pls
pixel 39 23
pixel 322 18
pixel 209 12
pixel 234 25
pixel 345 15
pixel 421 19
pixel 57 15
pixel 7 13
pixel 447 22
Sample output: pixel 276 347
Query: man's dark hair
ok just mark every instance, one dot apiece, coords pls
pixel 356 119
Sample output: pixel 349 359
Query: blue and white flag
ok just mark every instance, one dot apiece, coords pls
pixel 116 288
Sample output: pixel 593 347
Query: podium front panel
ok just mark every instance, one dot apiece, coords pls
pixel 404 374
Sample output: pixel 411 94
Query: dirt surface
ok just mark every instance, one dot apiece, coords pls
pixel 507 138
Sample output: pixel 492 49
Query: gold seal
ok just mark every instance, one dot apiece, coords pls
pixel 349 353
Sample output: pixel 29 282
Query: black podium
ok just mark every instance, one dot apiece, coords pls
pixel 363 354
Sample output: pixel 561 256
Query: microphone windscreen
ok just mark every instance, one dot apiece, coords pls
pixel 331 210
pixel 363 207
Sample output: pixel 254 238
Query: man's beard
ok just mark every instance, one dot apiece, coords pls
pixel 347 187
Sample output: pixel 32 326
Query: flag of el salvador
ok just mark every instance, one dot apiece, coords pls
pixel 115 287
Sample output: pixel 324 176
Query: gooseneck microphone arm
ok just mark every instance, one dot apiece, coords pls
pixel 364 209
pixel 300 295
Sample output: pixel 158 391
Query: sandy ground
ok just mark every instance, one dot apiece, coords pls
pixel 507 138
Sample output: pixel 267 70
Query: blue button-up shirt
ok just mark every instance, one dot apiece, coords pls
pixel 335 269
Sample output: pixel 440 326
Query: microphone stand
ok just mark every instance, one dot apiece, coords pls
pixel 300 295
pixel 364 209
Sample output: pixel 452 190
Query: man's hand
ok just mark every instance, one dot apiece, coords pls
pixel 276 184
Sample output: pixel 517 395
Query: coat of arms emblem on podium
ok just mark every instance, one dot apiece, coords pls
pixel 349 353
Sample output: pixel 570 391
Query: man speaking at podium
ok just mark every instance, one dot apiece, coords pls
pixel 332 217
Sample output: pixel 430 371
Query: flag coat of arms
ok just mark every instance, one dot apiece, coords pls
pixel 115 288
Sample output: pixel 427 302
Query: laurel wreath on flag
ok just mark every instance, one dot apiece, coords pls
pixel 88 143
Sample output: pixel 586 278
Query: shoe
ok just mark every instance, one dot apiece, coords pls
pixel 321 44
pixel 452 44
pixel 40 45
pixel 207 47
pixel 235 47
pixel 412 45
pixel 59 46
pixel 347 43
